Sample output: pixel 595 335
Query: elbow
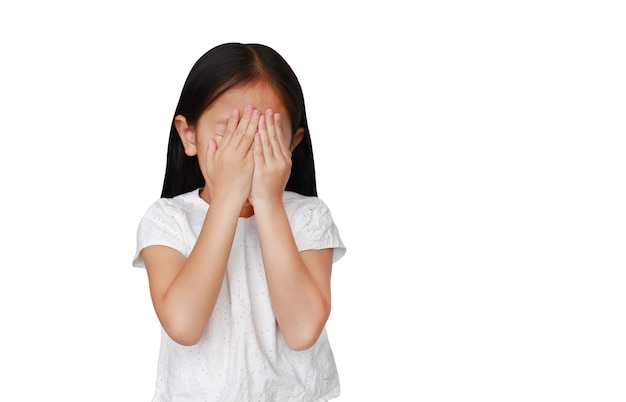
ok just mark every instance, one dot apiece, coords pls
pixel 184 335
pixel 306 334
pixel 303 342
pixel 185 339
pixel 182 324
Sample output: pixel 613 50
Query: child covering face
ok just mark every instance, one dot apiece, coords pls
pixel 239 249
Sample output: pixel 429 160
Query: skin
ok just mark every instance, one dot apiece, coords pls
pixel 243 142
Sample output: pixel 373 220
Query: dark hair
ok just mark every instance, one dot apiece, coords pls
pixel 218 70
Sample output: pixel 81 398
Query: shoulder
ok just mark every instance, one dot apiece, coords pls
pixel 173 215
pixel 168 222
pixel 312 224
pixel 305 211
pixel 299 204
pixel 177 207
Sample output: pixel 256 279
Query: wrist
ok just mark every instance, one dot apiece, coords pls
pixel 225 205
pixel 268 205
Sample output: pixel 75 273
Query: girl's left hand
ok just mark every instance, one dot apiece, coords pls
pixel 272 161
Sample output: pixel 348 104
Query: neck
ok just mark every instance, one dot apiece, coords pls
pixel 246 210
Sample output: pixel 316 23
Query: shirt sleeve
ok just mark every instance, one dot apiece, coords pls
pixel 158 227
pixel 314 229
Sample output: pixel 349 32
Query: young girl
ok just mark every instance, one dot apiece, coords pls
pixel 239 249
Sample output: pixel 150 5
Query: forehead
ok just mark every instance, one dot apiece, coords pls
pixel 261 95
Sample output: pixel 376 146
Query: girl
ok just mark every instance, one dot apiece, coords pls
pixel 239 249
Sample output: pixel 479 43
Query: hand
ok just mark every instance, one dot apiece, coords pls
pixel 272 161
pixel 230 167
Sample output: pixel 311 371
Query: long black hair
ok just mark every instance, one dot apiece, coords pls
pixel 218 70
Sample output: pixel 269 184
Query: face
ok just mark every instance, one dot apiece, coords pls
pixel 212 122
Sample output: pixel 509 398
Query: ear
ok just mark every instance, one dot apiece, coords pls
pixel 187 135
pixel 296 139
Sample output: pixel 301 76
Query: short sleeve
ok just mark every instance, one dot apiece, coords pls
pixel 158 227
pixel 314 229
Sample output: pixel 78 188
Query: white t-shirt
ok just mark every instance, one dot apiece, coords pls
pixel 242 355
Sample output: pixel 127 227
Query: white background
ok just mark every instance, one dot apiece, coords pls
pixel 472 153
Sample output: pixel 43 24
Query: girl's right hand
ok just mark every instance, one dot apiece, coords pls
pixel 230 165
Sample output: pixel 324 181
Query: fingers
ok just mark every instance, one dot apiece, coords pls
pixel 231 126
pixel 247 128
pixel 212 147
pixel 271 135
pixel 240 131
pixel 263 137
pixel 279 138
pixel 257 146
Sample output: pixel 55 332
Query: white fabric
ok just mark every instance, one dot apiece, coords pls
pixel 242 355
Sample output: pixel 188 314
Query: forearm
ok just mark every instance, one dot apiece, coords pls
pixel 300 305
pixel 186 294
pixel 190 298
